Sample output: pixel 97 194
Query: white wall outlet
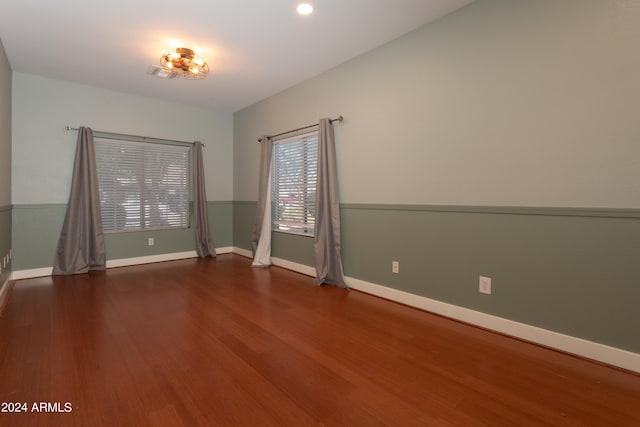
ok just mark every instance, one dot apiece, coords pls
pixel 151 241
pixel 395 267
pixel 485 285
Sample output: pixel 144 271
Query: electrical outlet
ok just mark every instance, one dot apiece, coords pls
pixel 485 285
pixel 395 267
pixel 151 241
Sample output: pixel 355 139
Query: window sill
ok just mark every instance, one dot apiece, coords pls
pixel 296 233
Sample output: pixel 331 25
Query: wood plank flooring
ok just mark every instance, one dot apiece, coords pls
pixel 215 342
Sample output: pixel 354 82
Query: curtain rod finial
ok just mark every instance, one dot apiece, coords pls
pixel 340 118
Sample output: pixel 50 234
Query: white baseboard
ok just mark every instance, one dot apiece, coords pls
pixel 279 262
pixel 243 252
pixel 123 262
pixel 31 273
pixel 577 346
pixel 300 268
pixel 4 292
pixel 225 250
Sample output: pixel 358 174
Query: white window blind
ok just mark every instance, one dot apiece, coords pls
pixel 293 184
pixel 143 186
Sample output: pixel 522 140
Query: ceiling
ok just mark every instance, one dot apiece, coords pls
pixel 255 48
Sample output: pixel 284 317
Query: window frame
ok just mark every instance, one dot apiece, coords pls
pixel 184 192
pixel 308 158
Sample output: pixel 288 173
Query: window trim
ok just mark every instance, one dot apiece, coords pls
pixel 274 224
pixel 108 138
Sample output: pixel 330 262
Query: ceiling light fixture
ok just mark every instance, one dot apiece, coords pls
pixel 304 9
pixel 184 63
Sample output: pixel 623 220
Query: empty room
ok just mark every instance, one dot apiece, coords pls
pixel 320 213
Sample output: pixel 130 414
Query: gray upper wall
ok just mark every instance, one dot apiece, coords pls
pixel 505 103
pixel 5 129
pixel 5 164
pixel 43 149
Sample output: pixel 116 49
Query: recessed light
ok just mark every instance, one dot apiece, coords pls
pixel 304 9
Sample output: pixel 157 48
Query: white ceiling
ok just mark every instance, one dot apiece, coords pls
pixel 255 48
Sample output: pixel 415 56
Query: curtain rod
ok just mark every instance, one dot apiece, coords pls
pixel 338 119
pixel 112 135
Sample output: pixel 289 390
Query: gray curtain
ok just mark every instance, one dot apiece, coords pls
pixel 326 242
pixel 261 236
pixel 204 244
pixel 81 244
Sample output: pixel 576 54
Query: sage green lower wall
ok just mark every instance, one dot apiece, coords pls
pixel 36 229
pixel 572 271
pixel 244 215
pixel 291 247
pixel 5 241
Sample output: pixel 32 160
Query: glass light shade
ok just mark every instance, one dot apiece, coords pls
pixel 304 9
pixel 184 63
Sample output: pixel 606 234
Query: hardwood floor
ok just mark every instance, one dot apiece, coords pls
pixel 215 342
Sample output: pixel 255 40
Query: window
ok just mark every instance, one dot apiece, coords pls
pixel 143 186
pixel 293 184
